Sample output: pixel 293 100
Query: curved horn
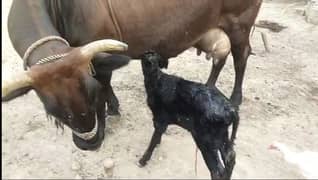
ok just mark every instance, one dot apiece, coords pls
pixel 103 45
pixel 20 81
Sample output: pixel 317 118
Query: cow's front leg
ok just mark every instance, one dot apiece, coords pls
pixel 104 65
pixel 112 101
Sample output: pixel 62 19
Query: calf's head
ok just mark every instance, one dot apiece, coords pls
pixel 150 62
pixel 68 91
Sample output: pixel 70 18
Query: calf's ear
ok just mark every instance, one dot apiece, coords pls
pixel 163 63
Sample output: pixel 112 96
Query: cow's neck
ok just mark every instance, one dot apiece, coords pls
pixel 34 25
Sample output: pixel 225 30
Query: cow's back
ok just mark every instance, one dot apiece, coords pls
pixel 168 27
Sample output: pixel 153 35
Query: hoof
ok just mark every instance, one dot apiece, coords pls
pixel 141 163
pixel 113 112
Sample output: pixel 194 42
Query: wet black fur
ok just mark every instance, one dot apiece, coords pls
pixel 205 112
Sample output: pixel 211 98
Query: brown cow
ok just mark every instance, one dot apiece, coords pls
pixel 168 27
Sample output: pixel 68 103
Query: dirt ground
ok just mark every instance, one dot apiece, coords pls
pixel 280 104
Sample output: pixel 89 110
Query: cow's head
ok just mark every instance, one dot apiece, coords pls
pixel 69 92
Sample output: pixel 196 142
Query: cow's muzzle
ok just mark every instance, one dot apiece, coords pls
pixel 90 140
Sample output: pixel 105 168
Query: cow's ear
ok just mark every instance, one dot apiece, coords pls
pixel 105 63
pixel 16 93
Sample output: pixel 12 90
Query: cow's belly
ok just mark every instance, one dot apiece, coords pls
pixel 167 47
pixel 167 43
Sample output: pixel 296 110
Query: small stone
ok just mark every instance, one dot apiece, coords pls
pixel 109 163
pixel 108 167
pixel 160 158
pixel 76 166
pixel 78 177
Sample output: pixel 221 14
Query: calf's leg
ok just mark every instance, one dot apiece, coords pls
pixel 211 158
pixel 155 140
pixel 228 155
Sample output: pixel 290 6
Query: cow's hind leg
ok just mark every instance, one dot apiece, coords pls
pixel 216 69
pixel 238 30
pixel 240 54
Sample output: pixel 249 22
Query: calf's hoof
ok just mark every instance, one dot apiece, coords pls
pixel 141 163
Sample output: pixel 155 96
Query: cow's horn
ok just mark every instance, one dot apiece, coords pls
pixel 20 81
pixel 103 45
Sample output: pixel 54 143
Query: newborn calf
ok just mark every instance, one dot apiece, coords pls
pixel 205 112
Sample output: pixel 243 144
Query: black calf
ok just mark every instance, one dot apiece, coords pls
pixel 203 111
